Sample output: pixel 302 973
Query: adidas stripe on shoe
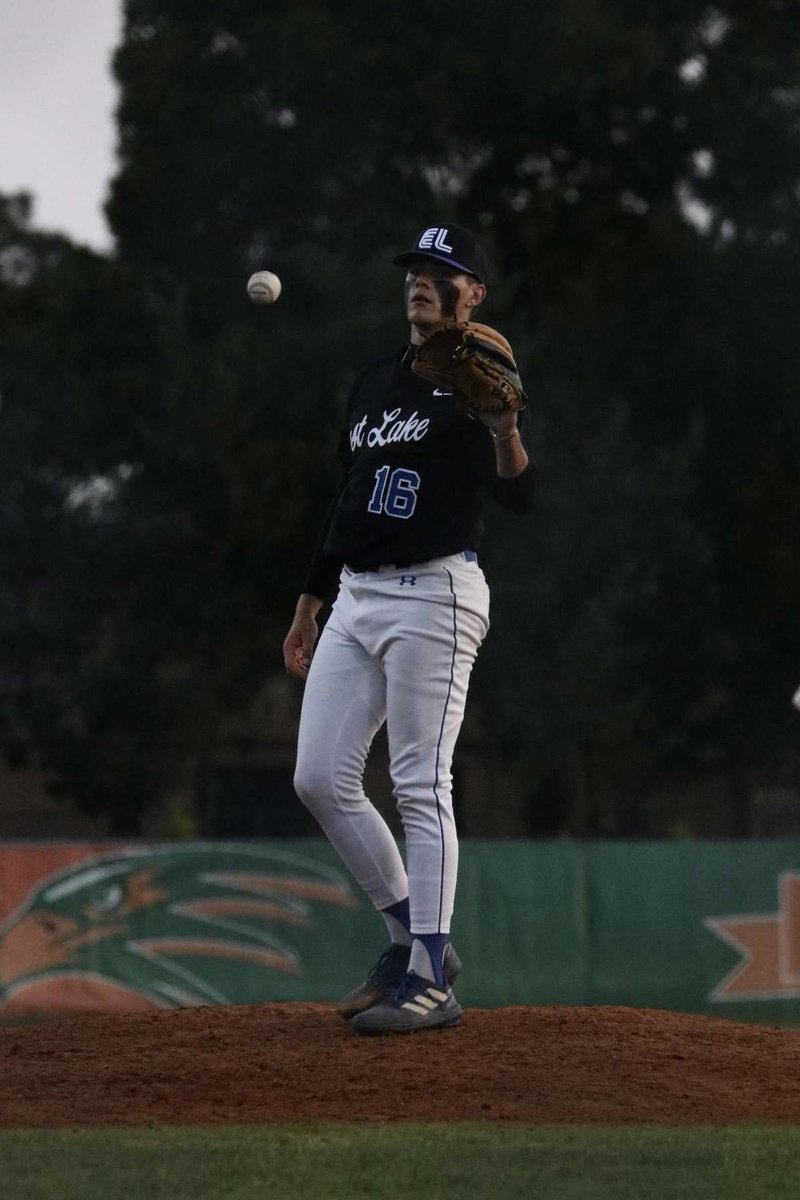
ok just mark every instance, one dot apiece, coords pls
pixel 384 978
pixel 415 1005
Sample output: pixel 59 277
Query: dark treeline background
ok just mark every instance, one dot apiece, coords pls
pixel 633 167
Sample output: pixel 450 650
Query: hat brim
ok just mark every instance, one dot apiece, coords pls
pixel 402 260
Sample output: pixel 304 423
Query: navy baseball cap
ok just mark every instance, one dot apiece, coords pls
pixel 450 244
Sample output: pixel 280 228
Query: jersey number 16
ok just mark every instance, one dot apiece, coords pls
pixel 395 492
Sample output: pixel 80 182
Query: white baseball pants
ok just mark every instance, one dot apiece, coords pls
pixel 398 647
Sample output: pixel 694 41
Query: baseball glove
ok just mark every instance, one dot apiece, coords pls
pixel 476 364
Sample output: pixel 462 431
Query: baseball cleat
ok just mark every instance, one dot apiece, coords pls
pixel 416 1004
pixel 386 976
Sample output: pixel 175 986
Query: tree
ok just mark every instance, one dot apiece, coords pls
pixel 583 144
pixel 631 169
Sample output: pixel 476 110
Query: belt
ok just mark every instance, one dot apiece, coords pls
pixel 361 568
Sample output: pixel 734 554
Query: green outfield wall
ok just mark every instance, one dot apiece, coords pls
pixel 707 927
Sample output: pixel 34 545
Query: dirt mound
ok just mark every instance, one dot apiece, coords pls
pixel 293 1062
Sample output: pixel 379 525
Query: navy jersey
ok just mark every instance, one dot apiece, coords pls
pixel 416 475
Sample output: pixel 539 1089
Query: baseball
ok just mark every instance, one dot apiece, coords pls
pixel 264 287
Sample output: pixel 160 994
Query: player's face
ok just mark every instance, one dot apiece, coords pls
pixel 436 293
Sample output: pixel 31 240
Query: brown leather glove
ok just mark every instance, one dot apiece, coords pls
pixel 476 364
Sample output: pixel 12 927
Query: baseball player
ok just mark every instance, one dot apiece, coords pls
pixel 411 612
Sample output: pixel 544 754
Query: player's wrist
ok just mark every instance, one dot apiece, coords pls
pixel 308 605
pixel 504 437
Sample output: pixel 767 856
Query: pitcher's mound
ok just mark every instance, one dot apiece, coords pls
pixel 300 1062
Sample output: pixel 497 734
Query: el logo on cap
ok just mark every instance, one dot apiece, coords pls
pixel 435 237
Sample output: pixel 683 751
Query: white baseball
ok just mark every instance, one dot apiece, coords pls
pixel 264 287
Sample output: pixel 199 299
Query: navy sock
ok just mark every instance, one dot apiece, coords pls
pixel 398 920
pixel 400 911
pixel 434 945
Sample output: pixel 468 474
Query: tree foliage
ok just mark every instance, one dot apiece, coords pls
pixel 631 168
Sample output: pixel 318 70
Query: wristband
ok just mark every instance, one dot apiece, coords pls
pixel 506 437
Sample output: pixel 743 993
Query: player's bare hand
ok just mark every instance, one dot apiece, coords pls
pixel 298 645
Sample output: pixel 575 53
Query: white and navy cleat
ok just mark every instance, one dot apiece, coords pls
pixel 386 976
pixel 416 1004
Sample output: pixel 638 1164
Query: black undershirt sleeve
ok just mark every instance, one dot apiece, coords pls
pixel 323 572
pixel 517 494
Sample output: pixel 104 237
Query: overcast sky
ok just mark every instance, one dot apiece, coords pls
pixel 57 100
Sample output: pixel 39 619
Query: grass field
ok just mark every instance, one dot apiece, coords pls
pixel 360 1162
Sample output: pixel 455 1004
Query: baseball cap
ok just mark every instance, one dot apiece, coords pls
pixel 449 244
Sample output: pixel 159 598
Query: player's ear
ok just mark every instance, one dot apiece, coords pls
pixel 476 295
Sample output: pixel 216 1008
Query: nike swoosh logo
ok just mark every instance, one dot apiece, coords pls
pixel 439 392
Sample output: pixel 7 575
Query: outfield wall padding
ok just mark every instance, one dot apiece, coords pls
pixel 706 927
